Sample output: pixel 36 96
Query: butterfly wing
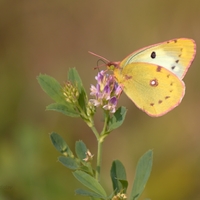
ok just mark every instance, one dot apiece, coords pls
pixel 152 88
pixel 175 55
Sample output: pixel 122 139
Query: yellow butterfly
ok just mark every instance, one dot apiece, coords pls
pixel 152 76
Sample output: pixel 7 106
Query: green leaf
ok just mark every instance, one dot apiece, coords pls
pixel 60 144
pixel 88 193
pixel 87 168
pixel 66 109
pixel 83 100
pixel 143 171
pixel 124 184
pixel 81 150
pixel 51 87
pixel 74 77
pixel 69 162
pixel 90 183
pixel 117 119
pixel 118 176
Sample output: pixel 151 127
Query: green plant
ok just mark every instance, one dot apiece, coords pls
pixel 72 100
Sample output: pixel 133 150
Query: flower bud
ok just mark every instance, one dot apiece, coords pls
pixel 70 92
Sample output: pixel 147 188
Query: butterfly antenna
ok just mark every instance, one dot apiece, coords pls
pixel 101 57
pixel 98 65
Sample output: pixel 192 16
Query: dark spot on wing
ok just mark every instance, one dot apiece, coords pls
pixel 153 54
pixel 167 97
pixel 177 61
pixel 173 67
pixel 160 101
pixel 151 104
pixel 158 69
pixel 128 77
pixel 181 49
pixel 175 41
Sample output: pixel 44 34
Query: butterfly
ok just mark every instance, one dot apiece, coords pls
pixel 152 76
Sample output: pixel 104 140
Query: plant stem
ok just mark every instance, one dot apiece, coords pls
pixel 105 123
pixel 99 152
pixel 99 158
pixel 95 132
pixel 100 144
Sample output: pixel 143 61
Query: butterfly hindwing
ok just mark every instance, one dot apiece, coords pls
pixel 152 88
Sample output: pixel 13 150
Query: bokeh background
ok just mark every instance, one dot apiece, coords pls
pixel 50 37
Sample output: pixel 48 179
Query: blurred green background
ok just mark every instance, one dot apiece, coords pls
pixel 52 36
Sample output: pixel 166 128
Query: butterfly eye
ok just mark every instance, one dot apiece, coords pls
pixel 153 54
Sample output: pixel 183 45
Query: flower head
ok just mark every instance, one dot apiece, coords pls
pixel 106 92
pixel 120 196
pixel 70 92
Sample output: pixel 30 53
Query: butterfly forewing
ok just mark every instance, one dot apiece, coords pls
pixel 175 55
